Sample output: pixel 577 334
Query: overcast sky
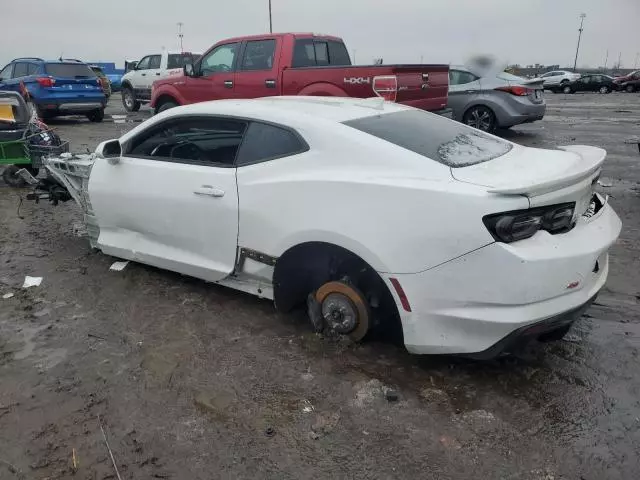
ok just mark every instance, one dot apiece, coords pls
pixel 438 31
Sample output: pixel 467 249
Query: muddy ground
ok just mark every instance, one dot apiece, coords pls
pixel 194 381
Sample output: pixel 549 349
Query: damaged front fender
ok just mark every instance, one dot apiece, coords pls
pixel 72 171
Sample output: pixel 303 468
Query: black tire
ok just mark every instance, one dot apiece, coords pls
pixel 567 89
pixel 480 117
pixel 630 88
pixel 166 105
pixel 604 89
pixel 96 116
pixel 11 178
pixel 129 100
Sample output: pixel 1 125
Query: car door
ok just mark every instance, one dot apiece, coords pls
pixel 5 77
pixel 148 76
pixel 215 75
pixel 581 85
pixel 139 76
pixel 20 72
pixel 464 91
pixel 257 74
pixel 170 199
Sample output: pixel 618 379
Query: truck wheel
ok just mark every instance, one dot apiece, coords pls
pixel 129 100
pixel 480 117
pixel 96 116
pixel 11 177
pixel 166 106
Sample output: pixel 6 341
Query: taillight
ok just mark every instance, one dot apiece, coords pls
pixel 517 225
pixel 46 81
pixel 386 86
pixel 518 91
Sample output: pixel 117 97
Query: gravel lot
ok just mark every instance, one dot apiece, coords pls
pixel 195 381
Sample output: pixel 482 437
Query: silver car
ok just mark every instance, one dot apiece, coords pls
pixel 496 100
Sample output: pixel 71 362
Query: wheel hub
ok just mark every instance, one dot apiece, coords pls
pixel 340 313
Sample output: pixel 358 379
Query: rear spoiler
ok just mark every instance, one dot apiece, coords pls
pixel 592 160
pixel 534 82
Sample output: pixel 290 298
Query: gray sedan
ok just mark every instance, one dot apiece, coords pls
pixel 497 100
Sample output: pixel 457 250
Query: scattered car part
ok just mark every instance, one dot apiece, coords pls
pixel 24 140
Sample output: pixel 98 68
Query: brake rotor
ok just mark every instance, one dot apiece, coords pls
pixel 344 309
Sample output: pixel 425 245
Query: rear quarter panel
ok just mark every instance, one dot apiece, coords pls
pixel 399 211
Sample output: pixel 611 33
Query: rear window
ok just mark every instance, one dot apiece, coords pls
pixel 309 52
pixel 445 141
pixel 179 60
pixel 69 70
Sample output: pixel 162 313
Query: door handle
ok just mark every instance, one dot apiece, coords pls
pixel 471 91
pixel 143 74
pixel 270 83
pixel 228 83
pixel 157 73
pixel 209 191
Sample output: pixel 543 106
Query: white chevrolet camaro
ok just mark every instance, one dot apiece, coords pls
pixel 370 213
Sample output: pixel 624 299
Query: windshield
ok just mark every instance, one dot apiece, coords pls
pixel 179 60
pixel 432 136
pixel 69 70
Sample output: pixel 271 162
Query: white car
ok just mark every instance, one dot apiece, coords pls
pixel 370 212
pixel 137 83
pixel 557 77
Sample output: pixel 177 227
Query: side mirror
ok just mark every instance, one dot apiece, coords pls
pixel 111 150
pixel 188 70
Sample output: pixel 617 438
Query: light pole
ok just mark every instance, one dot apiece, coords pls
pixel 180 36
pixel 635 63
pixel 575 62
pixel 606 59
pixel 270 21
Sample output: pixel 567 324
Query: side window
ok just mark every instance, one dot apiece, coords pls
pixel 459 77
pixel 304 54
pixel 636 76
pixel 20 70
pixel 6 72
pixel 322 53
pixel 154 61
pixel 144 63
pixel 267 142
pixel 338 54
pixel 32 69
pixel 203 141
pixel 220 59
pixel 258 55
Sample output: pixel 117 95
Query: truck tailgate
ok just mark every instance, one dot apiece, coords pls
pixel 422 86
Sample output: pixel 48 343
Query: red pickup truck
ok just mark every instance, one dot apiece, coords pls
pixel 297 64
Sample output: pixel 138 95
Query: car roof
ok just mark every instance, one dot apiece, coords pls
pixel 293 111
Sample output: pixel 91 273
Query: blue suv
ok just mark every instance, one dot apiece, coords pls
pixel 60 87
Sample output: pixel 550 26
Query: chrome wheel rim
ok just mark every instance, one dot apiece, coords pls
pixel 603 89
pixel 480 119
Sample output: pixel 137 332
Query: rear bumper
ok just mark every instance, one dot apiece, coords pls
pixel 482 302
pixel 517 110
pixel 71 107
